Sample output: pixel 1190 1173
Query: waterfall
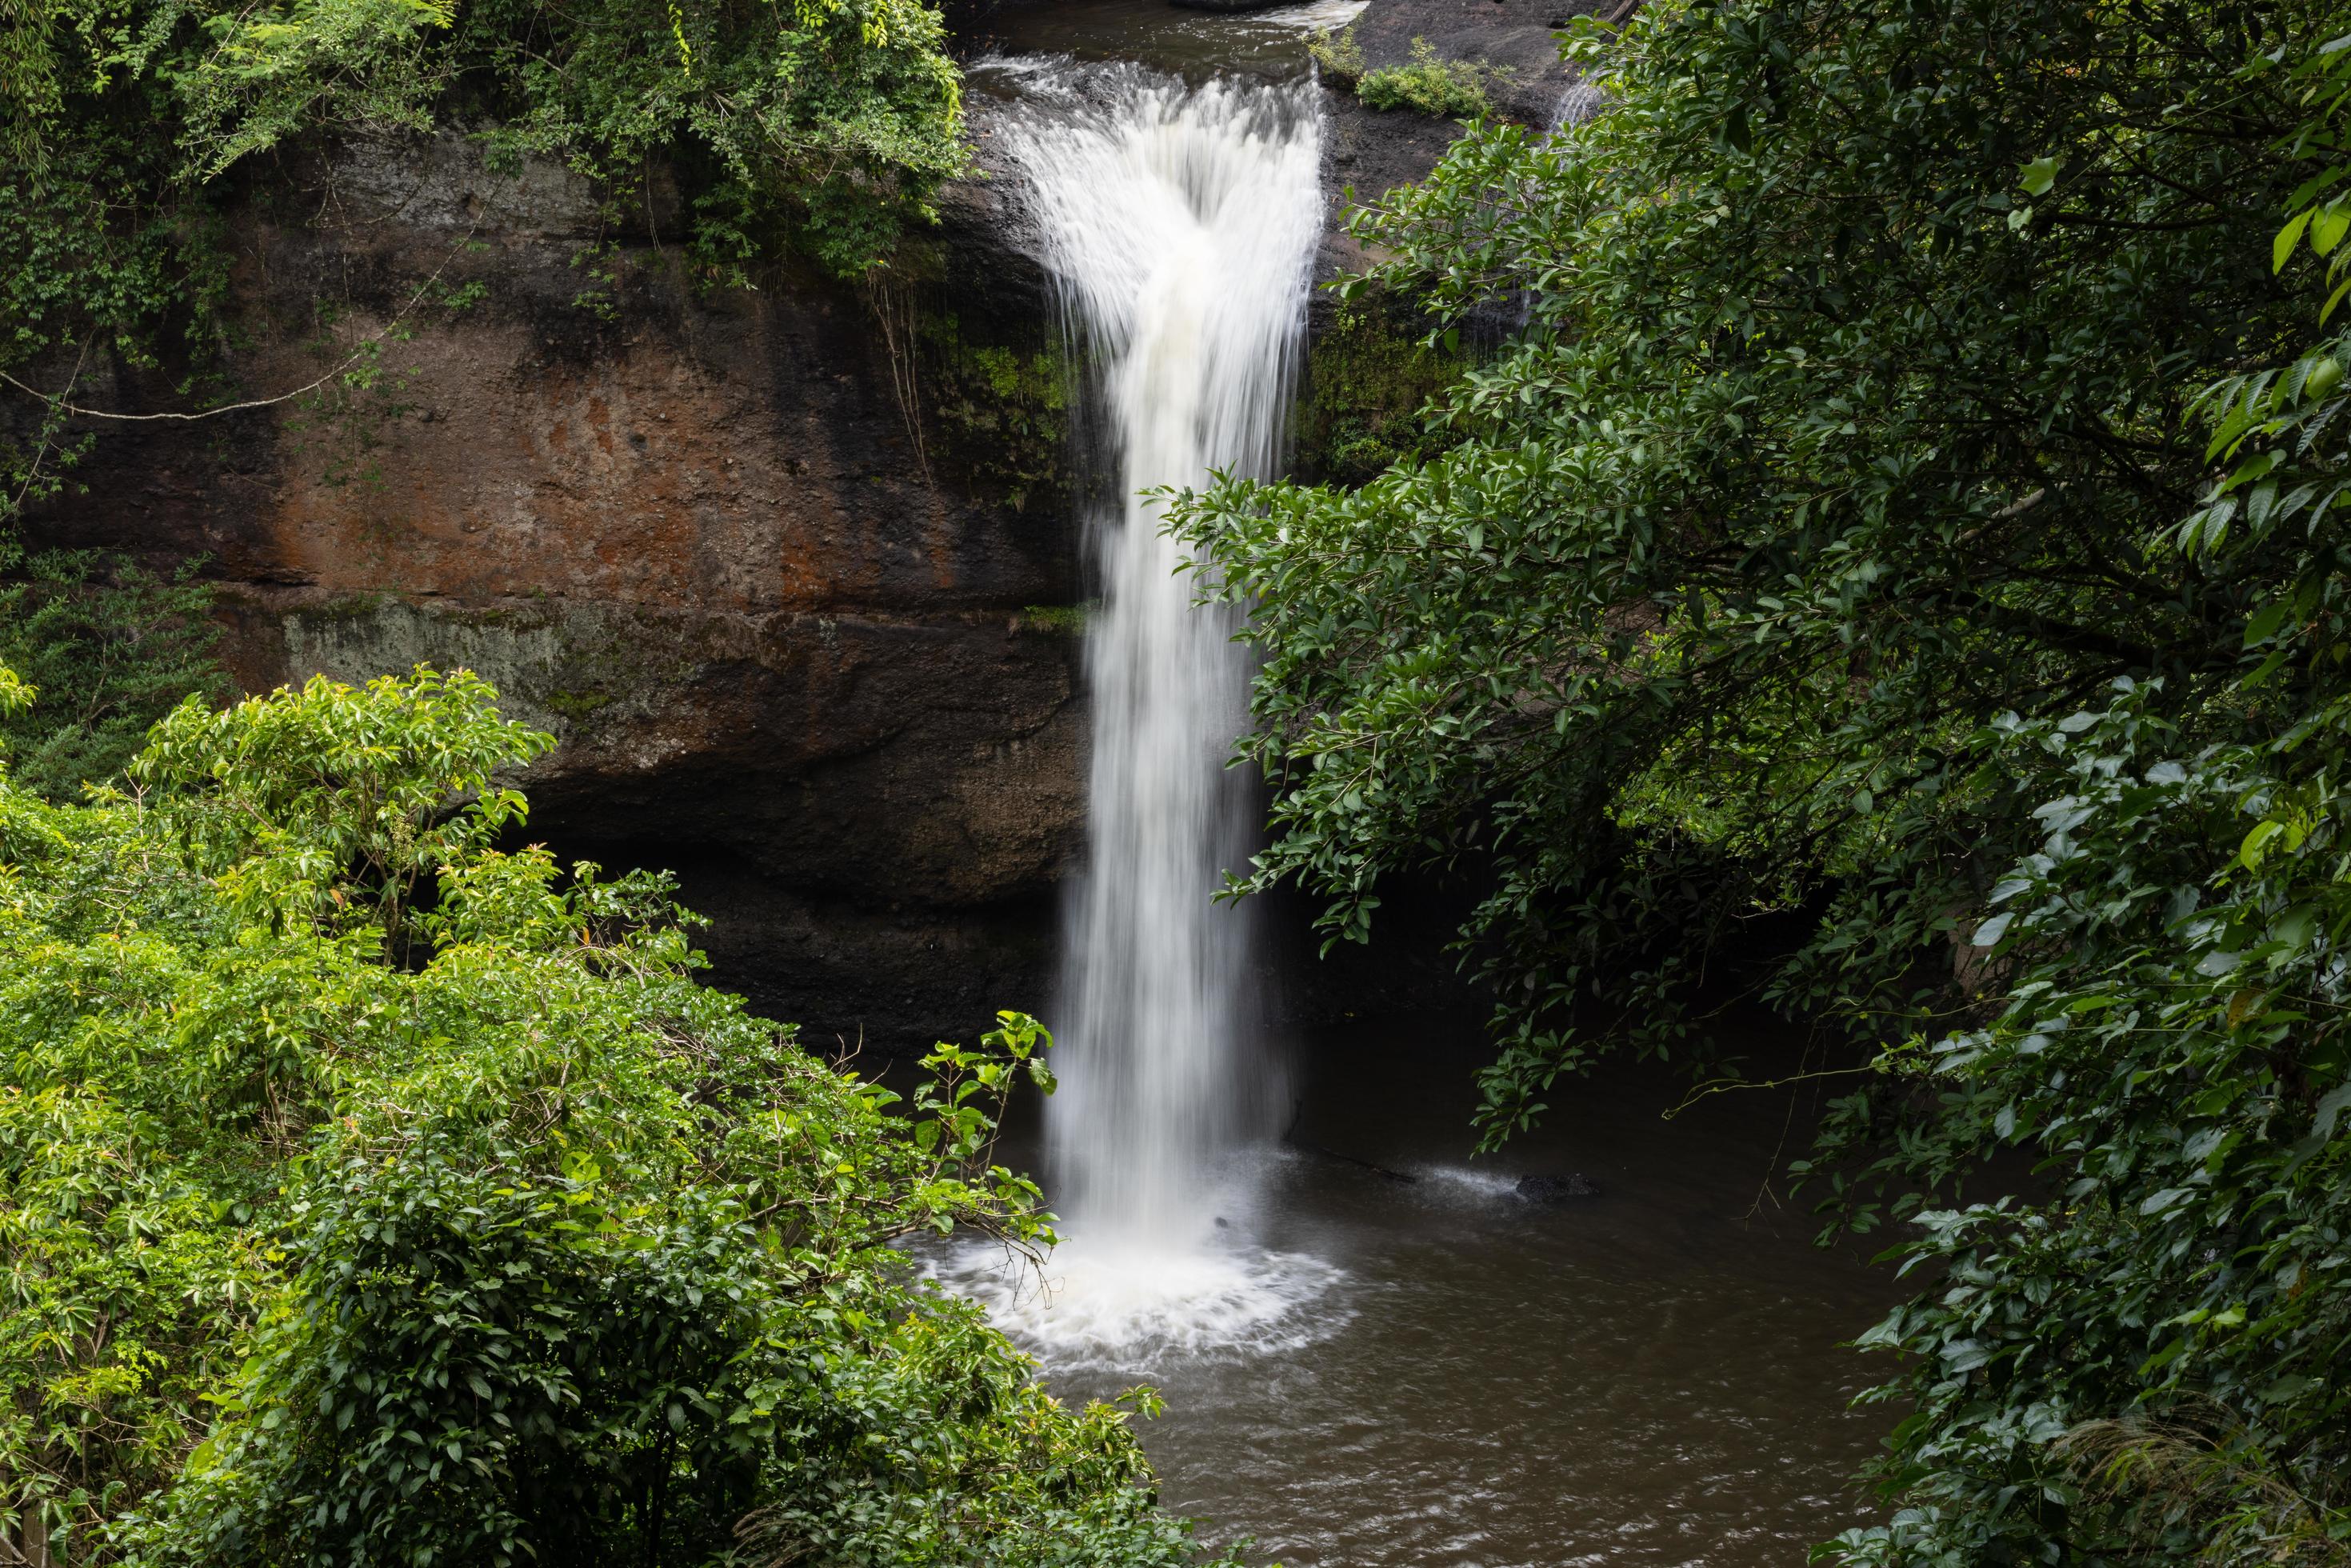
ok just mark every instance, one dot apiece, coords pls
pixel 1180 227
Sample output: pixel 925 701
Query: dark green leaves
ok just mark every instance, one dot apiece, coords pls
pixel 1910 514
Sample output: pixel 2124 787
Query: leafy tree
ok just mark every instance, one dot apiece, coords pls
pixel 1843 538
pixel 371 1195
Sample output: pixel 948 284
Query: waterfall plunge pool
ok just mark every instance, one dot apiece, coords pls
pixel 1452 1376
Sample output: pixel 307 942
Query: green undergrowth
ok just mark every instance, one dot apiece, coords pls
pixel 1058 620
pixel 820 129
pixel 1338 53
pixel 1002 411
pixel 1450 90
pixel 1908 520
pixel 370 1194
pixel 115 647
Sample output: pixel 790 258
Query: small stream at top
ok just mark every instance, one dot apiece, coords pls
pixel 1196 46
pixel 1373 1351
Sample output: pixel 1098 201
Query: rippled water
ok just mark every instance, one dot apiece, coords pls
pixel 1194 44
pixel 1651 1376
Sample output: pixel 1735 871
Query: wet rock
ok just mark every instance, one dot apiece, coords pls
pixel 790 644
pixel 1557 1188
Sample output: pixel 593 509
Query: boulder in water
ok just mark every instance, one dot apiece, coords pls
pixel 1557 1188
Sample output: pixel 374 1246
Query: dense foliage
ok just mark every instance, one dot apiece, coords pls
pixel 1452 89
pixel 1911 509
pixel 1424 82
pixel 114 647
pixel 370 1194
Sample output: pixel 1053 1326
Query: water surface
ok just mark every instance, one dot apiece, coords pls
pixel 1195 45
pixel 1653 1376
pixel 1375 1353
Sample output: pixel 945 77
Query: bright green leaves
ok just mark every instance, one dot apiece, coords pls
pixel 119 648
pixel 1449 89
pixel 957 1115
pixel 273 72
pixel 2320 207
pixel 2287 238
pixel 2275 429
pixel 337 800
pixel 505 1234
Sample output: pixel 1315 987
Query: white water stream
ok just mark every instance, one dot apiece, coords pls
pixel 1180 227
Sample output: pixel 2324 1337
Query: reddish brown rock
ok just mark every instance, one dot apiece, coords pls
pixel 692 535
pixel 790 639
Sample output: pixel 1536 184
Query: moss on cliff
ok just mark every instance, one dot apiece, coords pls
pixel 1058 620
pixel 1368 373
pixel 1002 411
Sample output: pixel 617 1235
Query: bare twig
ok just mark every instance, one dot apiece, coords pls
pixel 1724 1085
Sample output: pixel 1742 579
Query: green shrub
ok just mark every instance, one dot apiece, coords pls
pixel 1339 55
pixel 370 1194
pixel 1455 89
pixel 1911 509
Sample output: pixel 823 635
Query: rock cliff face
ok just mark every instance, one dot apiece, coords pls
pixel 790 571
pixel 692 535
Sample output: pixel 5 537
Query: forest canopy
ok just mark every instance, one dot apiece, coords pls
pixel 1911 512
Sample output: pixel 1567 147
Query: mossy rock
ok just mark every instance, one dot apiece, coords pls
pixel 1369 373
pixel 1001 411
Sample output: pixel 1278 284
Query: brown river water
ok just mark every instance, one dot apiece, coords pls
pixel 1656 1376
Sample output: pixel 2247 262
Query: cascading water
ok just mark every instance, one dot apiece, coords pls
pixel 1180 226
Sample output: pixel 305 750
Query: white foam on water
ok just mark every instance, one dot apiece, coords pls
pixel 1134 1309
pixel 1316 15
pixel 1469 1179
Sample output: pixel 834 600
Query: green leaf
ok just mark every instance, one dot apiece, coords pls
pixel 2282 246
pixel 2328 226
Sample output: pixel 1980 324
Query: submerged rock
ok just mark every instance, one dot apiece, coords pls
pixel 1557 1188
